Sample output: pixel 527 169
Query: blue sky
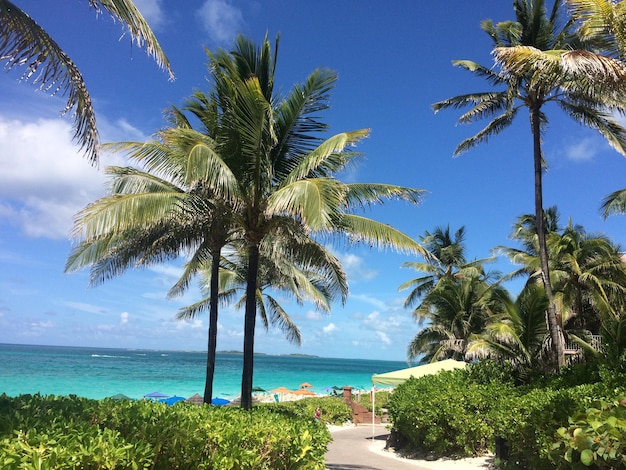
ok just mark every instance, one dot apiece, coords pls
pixel 393 60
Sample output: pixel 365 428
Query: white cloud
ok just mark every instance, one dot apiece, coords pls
pixel 124 316
pixel 383 337
pixel 584 150
pixel 328 329
pixel 314 315
pixel 355 267
pixel 88 308
pixel 221 20
pixel 45 180
pixel 152 12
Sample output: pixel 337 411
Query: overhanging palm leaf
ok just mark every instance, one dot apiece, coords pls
pixel 24 43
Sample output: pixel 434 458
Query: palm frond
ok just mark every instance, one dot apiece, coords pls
pixel 23 43
pixel 140 31
pixel 614 203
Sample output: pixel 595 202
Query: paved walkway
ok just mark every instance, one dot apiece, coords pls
pixel 350 450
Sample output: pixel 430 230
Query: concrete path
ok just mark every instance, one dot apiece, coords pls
pixel 350 450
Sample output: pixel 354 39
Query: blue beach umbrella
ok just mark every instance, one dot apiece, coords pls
pixel 171 400
pixel 155 395
pixel 220 401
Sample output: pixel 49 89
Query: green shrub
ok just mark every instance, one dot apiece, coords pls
pixel 445 414
pixel 334 409
pixel 75 433
pixel 595 438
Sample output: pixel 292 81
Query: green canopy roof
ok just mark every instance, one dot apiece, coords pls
pixel 398 376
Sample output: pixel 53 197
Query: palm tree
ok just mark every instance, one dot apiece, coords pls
pixel 588 274
pixel 157 213
pixel 24 43
pixel 601 24
pixel 276 272
pixel 445 257
pixel 518 335
pixel 456 310
pixel 258 162
pixel 540 62
pixel 284 171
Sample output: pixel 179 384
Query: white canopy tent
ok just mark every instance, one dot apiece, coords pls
pixel 397 377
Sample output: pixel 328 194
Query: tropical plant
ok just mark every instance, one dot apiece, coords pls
pixel 456 310
pixel 157 212
pixel 517 336
pixel 445 257
pixel 284 171
pixel 586 270
pixel 257 168
pixel 280 273
pixel 23 43
pixel 540 61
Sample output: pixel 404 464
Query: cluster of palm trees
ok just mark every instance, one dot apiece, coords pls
pixel 469 315
pixel 573 56
pixel 241 182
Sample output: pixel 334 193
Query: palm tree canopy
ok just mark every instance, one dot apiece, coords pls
pixel 24 43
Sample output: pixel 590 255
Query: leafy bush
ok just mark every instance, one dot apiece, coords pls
pixel 445 414
pixel 595 438
pixel 70 432
pixel 334 409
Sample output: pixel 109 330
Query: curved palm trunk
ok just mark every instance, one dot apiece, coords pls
pixel 249 326
pixel 553 324
pixel 212 342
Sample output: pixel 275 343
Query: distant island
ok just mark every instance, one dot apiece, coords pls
pixel 265 354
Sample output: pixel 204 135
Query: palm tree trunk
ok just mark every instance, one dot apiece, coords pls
pixel 212 343
pixel 249 326
pixel 553 324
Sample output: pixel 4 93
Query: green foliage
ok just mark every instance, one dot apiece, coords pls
pixel 488 371
pixel 69 432
pixel 595 438
pixel 334 409
pixel 460 413
pixel 446 413
pixel 382 401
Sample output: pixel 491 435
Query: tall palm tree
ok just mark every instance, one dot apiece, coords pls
pixel 259 158
pixel 157 212
pixel 284 169
pixel 24 43
pixel 540 61
pixel 456 310
pixel 445 258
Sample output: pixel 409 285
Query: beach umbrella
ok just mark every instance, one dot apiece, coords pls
pixel 304 391
pixel 220 401
pixel 306 385
pixel 281 390
pixel 258 389
pixel 171 400
pixel 120 396
pixel 156 395
pixel 196 399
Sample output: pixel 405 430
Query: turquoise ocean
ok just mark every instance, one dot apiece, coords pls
pixel 101 372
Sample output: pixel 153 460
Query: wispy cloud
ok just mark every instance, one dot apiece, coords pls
pixel 583 150
pixel 328 329
pixel 152 12
pixel 221 20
